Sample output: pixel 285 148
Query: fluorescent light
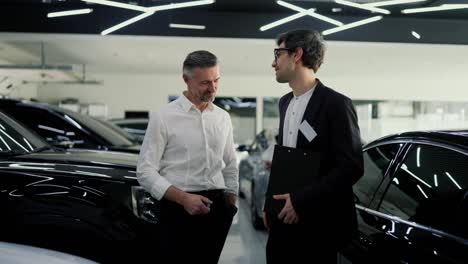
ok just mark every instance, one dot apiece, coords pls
pixel 352 25
pixel 393 2
pixel 421 190
pixel 433 9
pixel 118 4
pixel 148 11
pixel 416 35
pixel 181 5
pixel 370 8
pixel 453 180
pixel 70 12
pixel 187 26
pixel 310 12
pixel 282 21
pixel 405 168
pixel 436 183
pixel 418 152
pixel 126 23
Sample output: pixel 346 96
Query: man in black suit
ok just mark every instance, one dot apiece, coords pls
pixel 319 219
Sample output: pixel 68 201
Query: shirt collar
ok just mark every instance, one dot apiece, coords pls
pixel 186 104
pixel 306 94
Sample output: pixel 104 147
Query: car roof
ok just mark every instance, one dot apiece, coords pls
pixel 453 137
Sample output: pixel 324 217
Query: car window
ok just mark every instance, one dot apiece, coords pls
pixel 428 189
pixel 51 127
pixel 376 161
pixel 15 138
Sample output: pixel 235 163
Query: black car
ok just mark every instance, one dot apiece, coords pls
pixel 412 201
pixel 135 126
pixel 62 127
pixel 84 202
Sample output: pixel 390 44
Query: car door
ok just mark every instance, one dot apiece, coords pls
pixel 420 214
pixel 378 161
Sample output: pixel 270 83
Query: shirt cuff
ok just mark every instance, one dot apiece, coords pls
pixel 159 188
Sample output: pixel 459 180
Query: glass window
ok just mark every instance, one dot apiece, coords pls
pixel 376 161
pixel 52 128
pixel 14 138
pixel 428 188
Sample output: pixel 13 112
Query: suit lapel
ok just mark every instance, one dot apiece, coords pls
pixel 283 109
pixel 311 111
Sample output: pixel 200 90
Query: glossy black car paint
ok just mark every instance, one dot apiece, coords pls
pixel 437 232
pixel 58 125
pixel 75 201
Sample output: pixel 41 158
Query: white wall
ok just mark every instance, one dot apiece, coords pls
pixel 360 70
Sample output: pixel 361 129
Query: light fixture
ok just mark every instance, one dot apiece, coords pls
pixel 300 13
pixel 186 26
pixel 422 191
pixel 352 25
pixel 453 180
pixel 70 12
pixel 393 2
pixel 370 8
pixel 126 23
pixel 416 35
pixel 147 11
pixel 434 8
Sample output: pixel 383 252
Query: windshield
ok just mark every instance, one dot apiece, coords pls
pixel 15 138
pixel 103 131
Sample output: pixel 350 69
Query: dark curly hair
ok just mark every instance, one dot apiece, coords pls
pixel 310 41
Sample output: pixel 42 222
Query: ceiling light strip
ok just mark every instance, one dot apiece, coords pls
pixel 416 35
pixel 181 5
pixel 118 4
pixel 282 21
pixel 126 23
pixel 352 25
pixel 433 9
pixel 393 2
pixel 310 12
pixel 370 8
pixel 186 26
pixel 70 12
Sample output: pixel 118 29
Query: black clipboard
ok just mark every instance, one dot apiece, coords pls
pixel 292 169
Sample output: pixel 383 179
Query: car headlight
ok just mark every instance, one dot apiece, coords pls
pixel 144 205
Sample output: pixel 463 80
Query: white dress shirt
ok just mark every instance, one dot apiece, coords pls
pixel 189 149
pixel 293 118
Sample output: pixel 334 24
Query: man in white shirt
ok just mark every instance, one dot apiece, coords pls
pixel 188 161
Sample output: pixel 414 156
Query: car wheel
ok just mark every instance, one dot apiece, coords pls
pixel 257 221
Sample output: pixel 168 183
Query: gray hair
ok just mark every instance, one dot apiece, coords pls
pixel 311 42
pixel 199 59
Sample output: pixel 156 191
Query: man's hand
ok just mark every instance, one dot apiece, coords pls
pixel 196 204
pixel 265 221
pixel 288 215
pixel 231 199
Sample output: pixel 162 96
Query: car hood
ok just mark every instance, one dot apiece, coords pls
pixel 101 164
pixel 135 149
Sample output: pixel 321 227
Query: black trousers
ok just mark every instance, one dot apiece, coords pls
pixel 296 243
pixel 195 239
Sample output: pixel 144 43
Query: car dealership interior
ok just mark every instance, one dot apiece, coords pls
pixel 80 81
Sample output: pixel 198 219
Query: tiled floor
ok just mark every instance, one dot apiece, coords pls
pixel 244 244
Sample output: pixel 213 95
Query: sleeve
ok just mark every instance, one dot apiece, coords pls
pixel 231 170
pixel 149 159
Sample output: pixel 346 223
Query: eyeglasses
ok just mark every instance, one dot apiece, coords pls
pixel 276 52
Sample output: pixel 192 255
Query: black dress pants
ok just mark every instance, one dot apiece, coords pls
pixel 297 243
pixel 194 239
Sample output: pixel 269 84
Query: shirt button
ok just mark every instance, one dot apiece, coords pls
pixel 294 113
pixel 290 133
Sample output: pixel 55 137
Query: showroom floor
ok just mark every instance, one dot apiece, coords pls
pixel 244 244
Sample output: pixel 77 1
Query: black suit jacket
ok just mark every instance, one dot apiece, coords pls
pixel 327 206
